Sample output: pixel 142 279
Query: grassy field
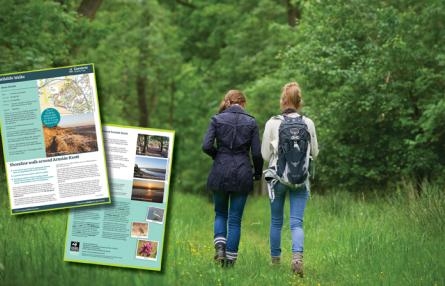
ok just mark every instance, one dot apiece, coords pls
pixel 349 241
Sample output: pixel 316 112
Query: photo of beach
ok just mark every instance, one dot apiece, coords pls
pixel 150 168
pixel 155 215
pixel 74 134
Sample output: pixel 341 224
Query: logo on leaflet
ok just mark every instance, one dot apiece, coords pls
pixel 75 246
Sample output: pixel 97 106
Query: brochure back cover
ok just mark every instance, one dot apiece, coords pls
pixel 130 231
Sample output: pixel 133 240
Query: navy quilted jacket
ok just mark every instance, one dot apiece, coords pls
pixel 231 136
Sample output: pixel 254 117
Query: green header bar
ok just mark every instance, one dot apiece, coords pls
pixel 47 73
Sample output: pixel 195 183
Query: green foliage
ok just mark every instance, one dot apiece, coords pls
pixel 36 34
pixel 425 207
pixel 375 74
pixel 371 73
pixel 141 48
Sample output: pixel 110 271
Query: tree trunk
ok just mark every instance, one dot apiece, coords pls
pixel 142 80
pixel 171 104
pixel 88 8
pixel 153 99
pixel 141 85
pixel 145 143
pixel 293 13
pixel 186 3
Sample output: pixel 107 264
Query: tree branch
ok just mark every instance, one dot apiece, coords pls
pixel 186 4
pixel 293 13
pixel 88 8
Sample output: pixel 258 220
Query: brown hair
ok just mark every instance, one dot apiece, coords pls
pixel 291 95
pixel 233 96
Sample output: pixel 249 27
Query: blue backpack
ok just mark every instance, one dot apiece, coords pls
pixel 293 151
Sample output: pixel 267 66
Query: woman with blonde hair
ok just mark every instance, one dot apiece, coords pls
pixel 231 138
pixel 271 150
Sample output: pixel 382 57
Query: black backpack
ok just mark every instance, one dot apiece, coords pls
pixel 293 150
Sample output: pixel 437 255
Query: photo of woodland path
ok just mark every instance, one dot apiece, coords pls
pixel 150 145
pixel 73 135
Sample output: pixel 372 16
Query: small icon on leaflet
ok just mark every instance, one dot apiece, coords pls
pixel 75 245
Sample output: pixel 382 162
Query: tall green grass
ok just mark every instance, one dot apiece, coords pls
pixel 349 240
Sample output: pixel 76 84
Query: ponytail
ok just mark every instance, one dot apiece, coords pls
pixel 233 96
pixel 291 94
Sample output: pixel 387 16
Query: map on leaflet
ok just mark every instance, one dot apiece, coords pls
pixel 68 94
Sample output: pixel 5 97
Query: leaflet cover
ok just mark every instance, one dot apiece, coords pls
pixel 130 231
pixel 52 140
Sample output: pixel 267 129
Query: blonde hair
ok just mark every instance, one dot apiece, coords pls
pixel 291 95
pixel 233 96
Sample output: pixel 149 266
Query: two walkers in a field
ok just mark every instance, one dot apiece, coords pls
pixel 233 135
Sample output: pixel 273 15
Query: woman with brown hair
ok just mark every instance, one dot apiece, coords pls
pixel 231 138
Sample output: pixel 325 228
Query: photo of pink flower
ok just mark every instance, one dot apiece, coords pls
pixel 147 249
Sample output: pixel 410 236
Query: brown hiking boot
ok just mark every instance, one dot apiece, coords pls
pixel 230 259
pixel 220 253
pixel 297 263
pixel 276 260
pixel 229 263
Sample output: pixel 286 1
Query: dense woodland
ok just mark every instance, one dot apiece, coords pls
pixel 372 73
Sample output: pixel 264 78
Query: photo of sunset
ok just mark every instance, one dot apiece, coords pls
pixel 148 190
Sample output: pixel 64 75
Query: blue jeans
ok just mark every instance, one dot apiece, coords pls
pixel 229 207
pixel 298 200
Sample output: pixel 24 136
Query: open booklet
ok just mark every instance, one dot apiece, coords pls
pixel 130 231
pixel 52 140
